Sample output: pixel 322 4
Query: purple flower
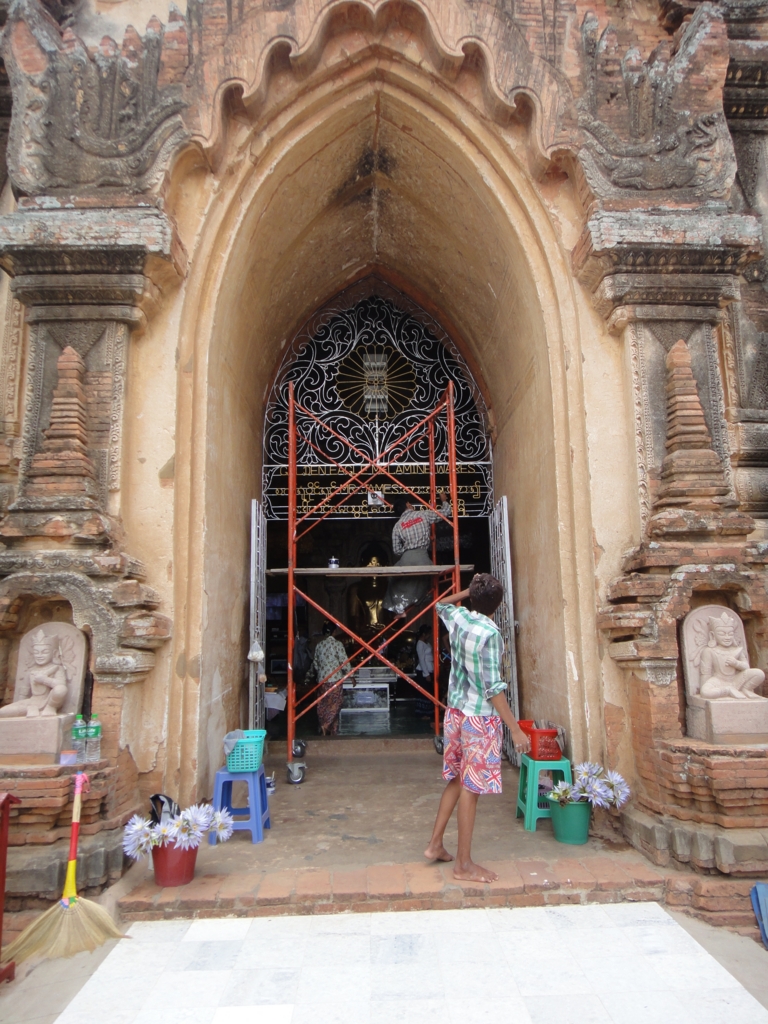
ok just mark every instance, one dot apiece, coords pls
pixel 199 816
pixel 186 835
pixel 137 837
pixel 222 826
pixel 593 789
pixel 587 770
pixel 563 793
pixel 618 788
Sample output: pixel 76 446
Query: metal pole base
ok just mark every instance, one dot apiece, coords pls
pixel 296 772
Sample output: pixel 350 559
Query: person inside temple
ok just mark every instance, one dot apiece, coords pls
pixel 411 538
pixel 330 665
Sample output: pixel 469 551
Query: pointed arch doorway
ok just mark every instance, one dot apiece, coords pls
pixel 378 177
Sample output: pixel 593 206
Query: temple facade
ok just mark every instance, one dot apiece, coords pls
pixel 574 191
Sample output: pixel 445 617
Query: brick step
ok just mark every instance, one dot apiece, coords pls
pixel 420 886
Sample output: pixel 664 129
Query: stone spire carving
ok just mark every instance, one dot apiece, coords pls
pixel 694 496
pixel 62 467
pixel 692 473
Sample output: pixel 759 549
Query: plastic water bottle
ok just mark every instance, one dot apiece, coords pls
pixel 93 740
pixel 78 738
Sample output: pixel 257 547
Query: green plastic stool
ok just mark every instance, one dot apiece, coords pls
pixel 528 803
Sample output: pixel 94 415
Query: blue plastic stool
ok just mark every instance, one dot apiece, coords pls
pixel 528 803
pixel 258 805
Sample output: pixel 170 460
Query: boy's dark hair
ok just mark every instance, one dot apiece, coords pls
pixel 485 593
pixel 329 627
pixel 400 504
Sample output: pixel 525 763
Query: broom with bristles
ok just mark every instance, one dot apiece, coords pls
pixel 73 924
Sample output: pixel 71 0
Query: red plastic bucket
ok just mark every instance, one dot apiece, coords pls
pixel 173 866
pixel 544 745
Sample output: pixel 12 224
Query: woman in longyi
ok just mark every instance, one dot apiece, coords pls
pixel 329 657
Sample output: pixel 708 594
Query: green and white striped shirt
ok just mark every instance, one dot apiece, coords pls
pixel 476 650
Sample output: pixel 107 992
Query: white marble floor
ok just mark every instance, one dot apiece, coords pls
pixel 621 963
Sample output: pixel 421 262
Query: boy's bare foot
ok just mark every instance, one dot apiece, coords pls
pixel 471 872
pixel 437 852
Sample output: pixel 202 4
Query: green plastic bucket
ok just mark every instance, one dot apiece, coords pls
pixel 571 823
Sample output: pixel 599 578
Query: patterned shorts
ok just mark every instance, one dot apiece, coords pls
pixel 472 751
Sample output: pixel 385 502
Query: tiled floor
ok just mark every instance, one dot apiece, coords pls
pixel 620 963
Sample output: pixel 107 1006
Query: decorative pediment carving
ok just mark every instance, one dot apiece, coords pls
pixel 657 125
pixel 112 116
pixel 85 119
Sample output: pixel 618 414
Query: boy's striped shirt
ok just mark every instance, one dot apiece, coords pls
pixel 476 650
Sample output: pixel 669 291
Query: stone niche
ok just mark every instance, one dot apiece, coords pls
pixel 47 695
pixel 723 705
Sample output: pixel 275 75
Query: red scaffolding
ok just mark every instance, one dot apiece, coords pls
pixel 299 525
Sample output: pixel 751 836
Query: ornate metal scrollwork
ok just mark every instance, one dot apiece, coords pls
pixel 370 372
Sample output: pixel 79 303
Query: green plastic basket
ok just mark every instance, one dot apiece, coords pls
pixel 248 752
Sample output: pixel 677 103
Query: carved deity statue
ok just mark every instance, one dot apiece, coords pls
pixel 50 673
pixel 722 706
pixel 47 682
pixel 715 659
pixel 723 666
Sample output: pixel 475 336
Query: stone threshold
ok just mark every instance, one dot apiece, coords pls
pixel 421 886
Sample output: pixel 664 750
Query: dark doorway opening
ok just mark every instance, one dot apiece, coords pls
pixel 357 603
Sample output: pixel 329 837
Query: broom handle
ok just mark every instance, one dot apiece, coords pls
pixel 70 884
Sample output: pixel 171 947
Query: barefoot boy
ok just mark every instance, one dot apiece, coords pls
pixel 477 705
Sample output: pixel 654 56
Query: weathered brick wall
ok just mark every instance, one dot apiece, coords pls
pixel 694 781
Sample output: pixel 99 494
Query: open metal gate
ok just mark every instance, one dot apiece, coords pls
pixel 257 639
pixel 501 567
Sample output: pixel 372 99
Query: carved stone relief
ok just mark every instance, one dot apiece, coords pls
pixel 650 341
pixel 746 360
pixel 54 651
pixel 48 693
pixel 640 133
pixel 89 120
pixel 643 429
pixel 721 687
pixel 102 346
pixel 11 390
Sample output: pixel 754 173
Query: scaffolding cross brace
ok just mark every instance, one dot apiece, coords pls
pixel 366 471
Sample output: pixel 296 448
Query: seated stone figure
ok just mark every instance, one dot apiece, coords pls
pixel 723 666
pixel 47 683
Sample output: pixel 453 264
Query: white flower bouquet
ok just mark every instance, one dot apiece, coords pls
pixel 185 831
pixel 594 784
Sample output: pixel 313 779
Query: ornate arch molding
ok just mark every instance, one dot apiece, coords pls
pixel 118 615
pixel 112 116
pixel 453 35
pixel 88 118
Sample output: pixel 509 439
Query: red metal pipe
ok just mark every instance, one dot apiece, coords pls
pixel 375 462
pixel 454 489
pixel 374 467
pixel 353 669
pixel 7 971
pixel 373 653
pixel 291 564
pixel 366 469
pixel 433 502
pixel 390 446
